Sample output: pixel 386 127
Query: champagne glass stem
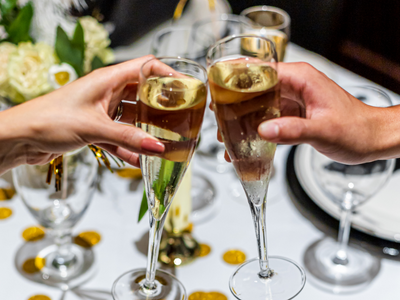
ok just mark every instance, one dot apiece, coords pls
pixel 258 213
pixel 156 227
pixel 63 240
pixel 344 230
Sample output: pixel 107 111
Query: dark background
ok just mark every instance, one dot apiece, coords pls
pixel 360 35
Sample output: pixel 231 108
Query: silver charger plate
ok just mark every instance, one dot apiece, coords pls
pixel 379 216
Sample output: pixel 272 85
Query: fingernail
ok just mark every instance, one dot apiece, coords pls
pixel 153 146
pixel 269 130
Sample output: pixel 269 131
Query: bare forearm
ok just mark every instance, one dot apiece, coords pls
pixel 12 151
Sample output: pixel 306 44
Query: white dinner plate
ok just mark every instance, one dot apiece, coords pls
pixel 379 216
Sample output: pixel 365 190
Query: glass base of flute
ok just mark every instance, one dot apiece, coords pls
pixel 340 278
pixel 248 283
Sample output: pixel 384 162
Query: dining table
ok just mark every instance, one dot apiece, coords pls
pixel 114 209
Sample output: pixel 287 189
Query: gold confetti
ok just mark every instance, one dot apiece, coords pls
pixel 217 296
pixel 5 213
pixel 40 262
pixel 6 193
pixel 33 234
pixel 87 239
pixel 56 167
pixel 198 296
pixel 207 296
pixel 234 257
pixel 133 173
pixel 33 265
pixel 39 297
pixel 204 250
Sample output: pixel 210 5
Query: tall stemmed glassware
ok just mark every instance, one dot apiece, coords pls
pixel 61 263
pixel 270 22
pixel 245 92
pixel 336 266
pixel 172 97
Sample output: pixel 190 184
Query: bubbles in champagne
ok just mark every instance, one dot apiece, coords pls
pixel 169 93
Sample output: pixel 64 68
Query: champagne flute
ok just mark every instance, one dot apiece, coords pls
pixel 245 92
pixel 171 100
pixel 336 266
pixel 270 22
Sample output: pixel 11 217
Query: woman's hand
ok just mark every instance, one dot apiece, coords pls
pixel 74 116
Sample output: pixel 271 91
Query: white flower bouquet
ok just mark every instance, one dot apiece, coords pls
pixel 42 48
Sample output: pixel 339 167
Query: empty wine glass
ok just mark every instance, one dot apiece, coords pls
pixel 335 266
pixel 63 264
pixel 245 92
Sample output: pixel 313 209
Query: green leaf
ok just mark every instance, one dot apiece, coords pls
pixel 143 206
pixel 18 31
pixel 69 53
pixel 159 187
pixel 7 6
pixel 78 40
pixel 97 63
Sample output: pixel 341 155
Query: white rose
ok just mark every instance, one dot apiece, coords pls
pixel 5 50
pixel 28 69
pixel 96 41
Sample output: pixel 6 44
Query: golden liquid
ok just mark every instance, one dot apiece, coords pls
pixel 33 234
pixel 244 95
pixel 234 257
pixel 251 46
pixel 171 110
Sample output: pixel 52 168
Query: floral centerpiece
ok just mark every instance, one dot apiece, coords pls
pixel 42 48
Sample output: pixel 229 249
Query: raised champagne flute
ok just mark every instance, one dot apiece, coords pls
pixel 270 22
pixel 171 99
pixel 245 92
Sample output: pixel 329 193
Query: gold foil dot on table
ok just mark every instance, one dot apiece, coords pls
pixel 234 257
pixel 39 297
pixel 33 265
pixel 207 296
pixel 204 250
pixel 33 234
pixel 129 173
pixel 5 213
pixel 6 193
pixel 87 239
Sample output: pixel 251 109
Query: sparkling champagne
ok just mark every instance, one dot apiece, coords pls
pixel 250 47
pixel 244 95
pixel 171 110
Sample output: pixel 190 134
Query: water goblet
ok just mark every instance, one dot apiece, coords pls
pixel 171 100
pixel 245 92
pixel 270 22
pixel 336 266
pixel 62 263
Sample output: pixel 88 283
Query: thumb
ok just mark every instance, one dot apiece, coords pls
pixel 129 137
pixel 288 130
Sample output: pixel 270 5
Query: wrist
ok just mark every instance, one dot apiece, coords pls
pixel 386 132
pixel 12 142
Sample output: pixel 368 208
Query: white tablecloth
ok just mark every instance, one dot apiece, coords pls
pixel 114 212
